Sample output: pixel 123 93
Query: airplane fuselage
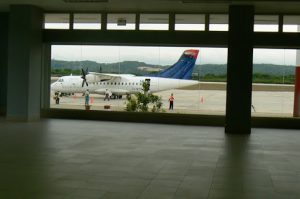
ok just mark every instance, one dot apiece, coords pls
pixel 118 86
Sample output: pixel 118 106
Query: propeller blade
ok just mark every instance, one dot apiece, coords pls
pixel 83 76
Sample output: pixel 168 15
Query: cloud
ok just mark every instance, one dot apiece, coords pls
pixel 149 54
pixel 163 55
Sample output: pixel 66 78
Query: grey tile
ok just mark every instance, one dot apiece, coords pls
pixel 90 159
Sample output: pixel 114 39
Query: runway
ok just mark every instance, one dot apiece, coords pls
pixel 211 102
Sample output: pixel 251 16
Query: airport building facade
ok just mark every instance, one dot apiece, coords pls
pixel 26 42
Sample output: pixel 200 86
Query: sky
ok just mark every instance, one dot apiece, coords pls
pixel 149 55
pixel 163 55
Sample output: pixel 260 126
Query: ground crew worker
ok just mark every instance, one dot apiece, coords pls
pixel 87 97
pixel 171 100
pixel 106 95
pixel 56 97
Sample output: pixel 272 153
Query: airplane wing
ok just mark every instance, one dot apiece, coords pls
pixel 109 76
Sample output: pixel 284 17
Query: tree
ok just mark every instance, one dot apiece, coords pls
pixel 140 102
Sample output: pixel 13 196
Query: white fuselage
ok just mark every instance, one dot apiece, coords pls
pixel 126 84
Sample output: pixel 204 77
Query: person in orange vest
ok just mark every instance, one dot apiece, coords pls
pixel 171 100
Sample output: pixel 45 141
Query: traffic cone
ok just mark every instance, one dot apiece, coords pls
pixel 202 99
pixel 74 98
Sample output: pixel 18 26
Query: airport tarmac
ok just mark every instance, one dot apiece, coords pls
pixel 212 102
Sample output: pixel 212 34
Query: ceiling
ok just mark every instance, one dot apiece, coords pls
pixel 186 6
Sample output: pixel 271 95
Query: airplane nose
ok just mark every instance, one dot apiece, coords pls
pixel 52 87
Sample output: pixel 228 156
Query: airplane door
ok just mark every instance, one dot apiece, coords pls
pixel 148 81
pixel 151 84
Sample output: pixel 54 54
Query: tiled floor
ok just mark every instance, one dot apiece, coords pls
pixel 92 159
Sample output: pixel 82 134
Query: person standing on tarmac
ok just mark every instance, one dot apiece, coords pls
pixel 56 97
pixel 106 95
pixel 87 97
pixel 171 100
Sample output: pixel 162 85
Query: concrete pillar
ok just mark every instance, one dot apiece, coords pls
pixel 46 77
pixel 24 63
pixel 239 71
pixel 3 61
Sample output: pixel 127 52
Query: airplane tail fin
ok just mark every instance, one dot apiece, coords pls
pixel 183 68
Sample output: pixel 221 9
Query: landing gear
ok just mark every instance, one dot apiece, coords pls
pixel 113 96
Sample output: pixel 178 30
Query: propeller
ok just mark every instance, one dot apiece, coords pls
pixel 83 76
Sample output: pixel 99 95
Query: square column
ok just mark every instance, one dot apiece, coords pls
pixel 3 61
pixel 24 63
pixel 239 70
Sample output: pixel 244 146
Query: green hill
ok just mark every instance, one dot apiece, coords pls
pixel 132 67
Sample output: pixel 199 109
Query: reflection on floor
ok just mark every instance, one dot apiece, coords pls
pixel 92 159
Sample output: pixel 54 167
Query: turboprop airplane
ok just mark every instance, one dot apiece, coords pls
pixel 177 76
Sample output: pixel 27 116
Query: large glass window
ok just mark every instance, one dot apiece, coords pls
pixel 56 21
pixel 87 21
pixel 189 22
pixel 121 21
pixel 273 82
pixel 218 22
pixel 266 23
pixel 195 76
pixel 154 22
pixel 291 23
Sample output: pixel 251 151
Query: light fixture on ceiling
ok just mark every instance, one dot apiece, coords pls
pixel 85 1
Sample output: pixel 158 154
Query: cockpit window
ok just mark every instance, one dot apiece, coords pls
pixel 60 80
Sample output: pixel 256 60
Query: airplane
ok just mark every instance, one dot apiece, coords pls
pixel 177 76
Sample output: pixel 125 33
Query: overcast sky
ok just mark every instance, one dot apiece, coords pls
pixel 163 55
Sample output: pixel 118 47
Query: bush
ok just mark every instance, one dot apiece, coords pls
pixel 140 102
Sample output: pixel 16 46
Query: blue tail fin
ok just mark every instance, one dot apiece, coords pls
pixel 183 68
